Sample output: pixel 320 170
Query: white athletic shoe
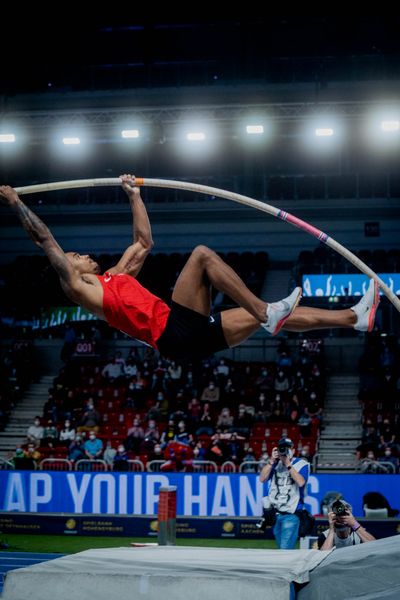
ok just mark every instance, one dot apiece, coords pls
pixel 365 310
pixel 278 312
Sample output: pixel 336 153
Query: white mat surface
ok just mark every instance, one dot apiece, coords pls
pixel 179 573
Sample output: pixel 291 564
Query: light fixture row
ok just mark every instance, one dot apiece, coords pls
pixel 197 135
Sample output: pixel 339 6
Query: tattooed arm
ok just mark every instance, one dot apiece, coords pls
pixel 42 237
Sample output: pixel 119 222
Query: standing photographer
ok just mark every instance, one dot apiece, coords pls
pixel 344 529
pixel 287 477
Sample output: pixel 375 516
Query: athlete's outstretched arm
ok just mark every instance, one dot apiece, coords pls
pixel 134 256
pixel 42 237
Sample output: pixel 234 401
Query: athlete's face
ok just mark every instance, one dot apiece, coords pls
pixel 83 263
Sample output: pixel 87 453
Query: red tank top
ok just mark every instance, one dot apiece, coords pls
pixel 129 307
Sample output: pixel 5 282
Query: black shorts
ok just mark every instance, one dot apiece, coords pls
pixel 191 335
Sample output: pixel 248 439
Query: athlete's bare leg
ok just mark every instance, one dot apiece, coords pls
pixel 205 269
pixel 238 324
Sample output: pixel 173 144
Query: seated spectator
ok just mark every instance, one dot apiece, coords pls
pixel 234 448
pixel 22 462
pixel 109 453
pixel 389 458
pixel 210 393
pixel 157 453
pixel 369 440
pixel 216 452
pixel 249 461
pixel 284 361
pixel 304 424
pixel 154 412
pixel 152 434
pixel 35 432
pixel 183 436
pixel 130 368
pixel 199 452
pixel 305 452
pixel 135 437
pixel 371 465
pixel 263 460
pixel 76 450
pixel 225 419
pixel 32 453
pixel 194 413
pixel 175 374
pixel 90 419
pixel 93 447
pixel 229 394
pixel 281 383
pixel 113 370
pixel 50 434
pixel 387 435
pixel 265 380
pixel 243 421
pixel 206 422
pixel 262 411
pixel 67 434
pixel 121 458
pixel 168 435
pixel 313 407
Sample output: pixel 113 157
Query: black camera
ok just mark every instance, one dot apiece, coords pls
pixel 283 450
pixel 339 508
pixel 284 446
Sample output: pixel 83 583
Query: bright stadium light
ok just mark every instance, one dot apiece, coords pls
pixel 324 132
pixel 196 136
pixel 254 129
pixel 381 128
pixel 130 133
pixel 7 138
pixel 71 141
pixel 195 139
pixel 322 135
pixel 390 126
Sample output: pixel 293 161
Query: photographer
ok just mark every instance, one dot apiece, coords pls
pixel 287 477
pixel 344 530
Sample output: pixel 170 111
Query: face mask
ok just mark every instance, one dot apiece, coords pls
pixel 304 452
pixel 92 437
pixel 264 373
pixel 90 407
pixel 280 373
pixel 313 396
pixel 121 449
pixel 388 453
pixel 371 456
pixel 37 423
pixel 211 387
pixel 67 423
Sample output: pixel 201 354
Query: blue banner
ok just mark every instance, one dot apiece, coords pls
pixel 208 495
pixel 349 284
